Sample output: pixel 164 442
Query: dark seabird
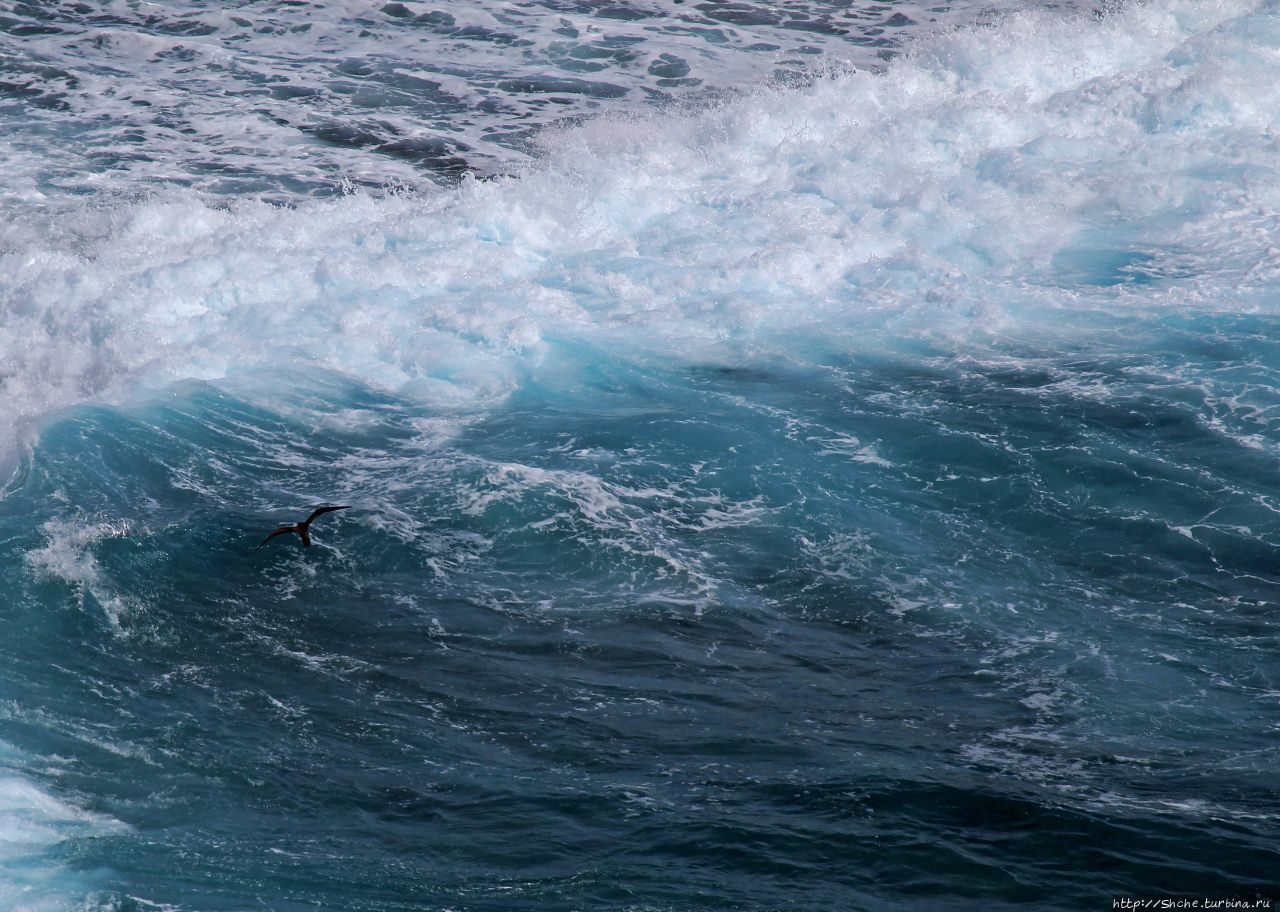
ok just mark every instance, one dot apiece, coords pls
pixel 300 529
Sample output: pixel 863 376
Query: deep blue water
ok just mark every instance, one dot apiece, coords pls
pixel 815 490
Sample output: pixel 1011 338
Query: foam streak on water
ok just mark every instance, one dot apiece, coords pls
pixel 282 99
pixel 857 491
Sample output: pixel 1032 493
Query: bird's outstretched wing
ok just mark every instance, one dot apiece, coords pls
pixel 319 510
pixel 281 531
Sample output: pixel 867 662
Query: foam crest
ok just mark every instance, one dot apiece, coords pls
pixel 32 824
pixel 984 182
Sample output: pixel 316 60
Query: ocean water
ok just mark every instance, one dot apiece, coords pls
pixel 800 455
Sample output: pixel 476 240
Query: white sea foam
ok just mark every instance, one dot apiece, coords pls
pixel 985 182
pixel 287 97
pixel 32 824
pixel 68 555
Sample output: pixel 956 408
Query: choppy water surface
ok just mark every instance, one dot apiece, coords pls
pixel 281 99
pixel 785 488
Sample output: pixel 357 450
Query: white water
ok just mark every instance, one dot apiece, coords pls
pixel 34 824
pixel 990 177
pixel 270 96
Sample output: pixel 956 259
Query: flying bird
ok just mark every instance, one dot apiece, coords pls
pixel 302 529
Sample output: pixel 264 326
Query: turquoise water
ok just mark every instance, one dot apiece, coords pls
pixel 665 637
pixel 849 495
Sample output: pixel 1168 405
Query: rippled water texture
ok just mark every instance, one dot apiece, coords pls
pixel 849 491
pixel 280 99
